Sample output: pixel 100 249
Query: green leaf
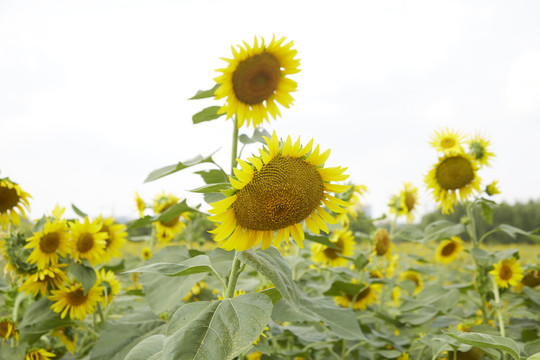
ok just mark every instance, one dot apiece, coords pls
pixel 171 169
pixel 210 113
pixel 12 353
pixel 195 265
pixel 273 294
pixel 532 294
pixel 213 176
pixel 483 341
pixel 271 264
pixel 340 287
pixel 203 94
pixel 210 188
pixel 442 229
pixel 148 347
pixel 513 231
pixel 321 239
pixel 257 136
pixel 534 357
pixel 486 210
pixel 85 273
pixel 78 211
pixel 532 347
pixel 120 336
pixel 38 320
pixel 166 216
pixel 216 329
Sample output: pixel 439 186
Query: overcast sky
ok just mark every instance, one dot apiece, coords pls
pixel 93 94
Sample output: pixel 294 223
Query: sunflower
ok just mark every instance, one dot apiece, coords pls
pixel 12 197
pixel 72 299
pixel 454 172
pixel 478 148
pixel 195 290
pixel 8 329
pixel 352 196
pixel 361 301
pixel 382 243
pixel 414 277
pixel 111 285
pixel 275 193
pixel 447 141
pixel 45 280
pixel 255 79
pixel 507 272
pixel 492 189
pixel 449 250
pixel 67 336
pixel 40 354
pixel 116 237
pixel 48 244
pixel 406 203
pixel 146 253
pixel 88 241
pixel 344 241
pixel 140 204
pixel 167 230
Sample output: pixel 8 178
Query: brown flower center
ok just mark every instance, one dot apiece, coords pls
pixel 76 297
pixel 256 78
pixel 382 242
pixel 85 242
pixel 454 173
pixel 447 143
pixel 49 242
pixel 363 294
pixel 410 201
pixel 8 198
pixel 332 254
pixel 449 249
pixel 5 329
pixel 506 272
pixel 284 192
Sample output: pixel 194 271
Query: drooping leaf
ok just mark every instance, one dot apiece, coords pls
pixel 85 273
pixel 150 346
pixel 204 94
pixel 78 211
pixel 483 341
pixel 216 329
pixel 171 169
pixel 207 114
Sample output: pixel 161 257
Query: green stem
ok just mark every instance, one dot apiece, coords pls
pixel 498 306
pixel 234 144
pixel 343 349
pixel 471 228
pixel 233 278
pixel 101 316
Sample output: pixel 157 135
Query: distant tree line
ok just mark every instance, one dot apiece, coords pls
pixel 525 216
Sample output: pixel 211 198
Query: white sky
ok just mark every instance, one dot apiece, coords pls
pixel 93 94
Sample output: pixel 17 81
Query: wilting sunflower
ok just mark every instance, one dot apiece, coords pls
pixel 414 277
pixel 286 185
pixel 12 198
pixel 167 230
pixel 406 203
pixel 73 300
pixel 140 204
pixel 88 241
pixel 449 250
pixel 343 239
pixel 146 253
pixel 447 141
pixel 352 196
pixel 455 172
pixel 110 284
pixel 40 354
pixel 507 272
pixel 382 243
pixel 48 244
pixel 8 329
pixel 479 149
pixel 67 336
pixel 255 79
pixel 115 240
pixel 361 301
pixel 45 280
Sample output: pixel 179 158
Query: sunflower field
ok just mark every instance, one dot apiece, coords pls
pixel 270 266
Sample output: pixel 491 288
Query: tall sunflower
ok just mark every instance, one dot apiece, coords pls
pixel 449 250
pixel 479 149
pixel 45 280
pixel 110 284
pixel 72 299
pixel 447 141
pixel 454 173
pixel 507 273
pixel 255 79
pixel 352 196
pixel 48 244
pixel 116 237
pixel 406 203
pixel 167 230
pixel 88 241
pixel 12 198
pixel 361 301
pixel 39 354
pixel 275 192
pixel 343 239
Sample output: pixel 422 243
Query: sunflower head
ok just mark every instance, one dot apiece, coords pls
pixel 167 230
pixel 67 336
pixel 146 253
pixel 8 329
pixel 454 173
pixel 492 189
pixel 274 193
pixel 88 241
pixel 413 276
pixel 255 79
pixel 116 237
pixel 73 300
pixel 360 301
pixel 39 354
pixel 352 196
pixel 447 141
pixel 531 278
pixel 449 250
pixel 16 255
pixel 45 280
pixel 479 149
pixel 49 244
pixel 140 204
pixel 343 239
pixel 12 198
pixel 110 284
pixel 382 243
pixel 408 201
pixel 507 273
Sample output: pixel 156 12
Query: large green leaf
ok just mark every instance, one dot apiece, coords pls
pixel 216 329
pixel 271 264
pixel 257 136
pixel 38 320
pixel 483 341
pixel 442 229
pixel 207 114
pixel 204 94
pixel 213 176
pixel 534 357
pixel 513 231
pixel 85 273
pixel 171 169
pixel 118 337
pixel 148 347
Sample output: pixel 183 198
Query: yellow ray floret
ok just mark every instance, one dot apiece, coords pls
pixel 276 192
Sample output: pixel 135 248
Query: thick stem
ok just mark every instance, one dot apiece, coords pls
pixel 234 144
pixel 233 278
pixel 498 306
